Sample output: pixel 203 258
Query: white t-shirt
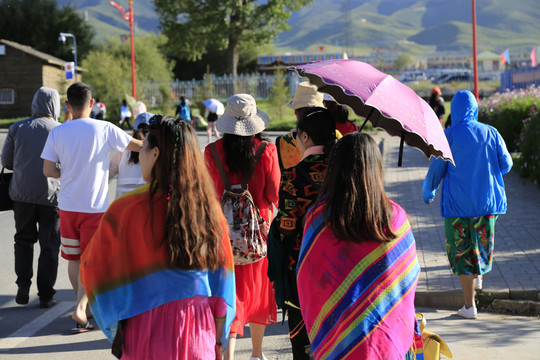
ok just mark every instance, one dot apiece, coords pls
pixel 82 147
pixel 128 175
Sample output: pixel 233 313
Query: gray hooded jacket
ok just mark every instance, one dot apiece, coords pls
pixel 22 150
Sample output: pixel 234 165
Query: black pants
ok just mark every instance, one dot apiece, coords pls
pixel 32 223
pixel 297 329
pixel 128 124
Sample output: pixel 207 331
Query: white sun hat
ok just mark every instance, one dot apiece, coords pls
pixel 242 117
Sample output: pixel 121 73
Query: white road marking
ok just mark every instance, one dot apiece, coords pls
pixel 22 334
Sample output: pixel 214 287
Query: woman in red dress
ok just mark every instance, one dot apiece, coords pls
pixel 242 124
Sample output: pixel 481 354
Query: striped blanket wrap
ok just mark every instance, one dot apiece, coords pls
pixel 125 269
pixel 357 299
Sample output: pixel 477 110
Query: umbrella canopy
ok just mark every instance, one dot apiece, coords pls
pixel 383 100
pixel 215 106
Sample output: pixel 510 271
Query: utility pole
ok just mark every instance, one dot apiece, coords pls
pixel 475 51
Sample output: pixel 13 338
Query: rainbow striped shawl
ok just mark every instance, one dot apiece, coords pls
pixel 357 299
pixel 126 272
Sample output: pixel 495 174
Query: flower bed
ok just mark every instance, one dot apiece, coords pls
pixel 515 115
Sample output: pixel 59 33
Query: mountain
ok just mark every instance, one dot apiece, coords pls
pixel 414 26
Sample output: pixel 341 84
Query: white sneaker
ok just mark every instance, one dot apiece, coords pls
pixel 256 358
pixel 469 313
pixel 478 284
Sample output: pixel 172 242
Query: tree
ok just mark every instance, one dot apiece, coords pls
pixel 38 23
pixel 193 27
pixel 279 94
pixel 404 61
pixel 109 70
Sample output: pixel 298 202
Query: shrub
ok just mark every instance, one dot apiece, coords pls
pixel 528 164
pixel 506 112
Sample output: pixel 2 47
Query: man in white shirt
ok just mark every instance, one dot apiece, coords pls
pixel 77 152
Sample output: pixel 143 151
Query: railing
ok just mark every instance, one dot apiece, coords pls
pixel 220 87
pixel 520 78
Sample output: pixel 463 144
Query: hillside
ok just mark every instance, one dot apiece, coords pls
pixel 411 25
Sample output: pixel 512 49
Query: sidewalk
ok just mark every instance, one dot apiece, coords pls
pixel 516 266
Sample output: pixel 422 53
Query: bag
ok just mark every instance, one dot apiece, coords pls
pixel 248 230
pixel 5 201
pixel 433 344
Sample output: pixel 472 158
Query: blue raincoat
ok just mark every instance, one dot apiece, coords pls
pixel 474 187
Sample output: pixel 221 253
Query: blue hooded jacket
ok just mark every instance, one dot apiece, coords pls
pixel 474 187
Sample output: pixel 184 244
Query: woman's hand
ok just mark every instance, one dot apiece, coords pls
pixel 218 349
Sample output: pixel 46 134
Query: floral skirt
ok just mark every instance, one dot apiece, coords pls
pixel 469 244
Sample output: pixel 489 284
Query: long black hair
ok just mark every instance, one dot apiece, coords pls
pixel 320 125
pixel 239 150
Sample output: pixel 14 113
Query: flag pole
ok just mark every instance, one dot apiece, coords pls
pixel 475 57
pixel 133 81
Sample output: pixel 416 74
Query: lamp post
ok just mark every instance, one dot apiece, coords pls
pixel 475 58
pixel 62 38
pixel 129 17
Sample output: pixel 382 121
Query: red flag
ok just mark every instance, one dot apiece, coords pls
pixel 503 59
pixel 533 57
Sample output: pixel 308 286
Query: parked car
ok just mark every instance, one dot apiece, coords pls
pixel 448 78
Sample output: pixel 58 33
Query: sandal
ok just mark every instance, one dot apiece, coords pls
pixel 78 329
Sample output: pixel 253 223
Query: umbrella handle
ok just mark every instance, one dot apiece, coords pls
pixel 401 149
pixel 367 118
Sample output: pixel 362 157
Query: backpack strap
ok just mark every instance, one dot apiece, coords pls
pixel 253 164
pixel 219 165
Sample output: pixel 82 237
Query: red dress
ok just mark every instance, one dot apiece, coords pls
pixel 255 302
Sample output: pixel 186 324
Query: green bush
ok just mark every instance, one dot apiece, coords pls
pixel 528 164
pixel 507 111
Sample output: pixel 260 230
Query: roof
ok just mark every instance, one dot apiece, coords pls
pixel 36 53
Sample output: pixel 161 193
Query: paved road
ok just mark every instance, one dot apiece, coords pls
pixel 27 332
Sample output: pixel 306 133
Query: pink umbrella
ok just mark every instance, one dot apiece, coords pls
pixel 383 100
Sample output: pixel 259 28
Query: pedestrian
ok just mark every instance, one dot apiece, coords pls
pixel 125 115
pixel 436 101
pixel 124 166
pixel 241 125
pixel 168 290
pixel 98 110
pixel 183 111
pixel 211 120
pixel 77 153
pixel 341 114
pixel 35 198
pixel 306 95
pixel 358 255
pixel 315 138
pixel 473 194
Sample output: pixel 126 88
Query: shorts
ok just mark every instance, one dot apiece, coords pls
pixel 76 230
pixel 469 244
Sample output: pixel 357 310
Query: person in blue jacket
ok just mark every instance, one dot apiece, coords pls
pixel 472 194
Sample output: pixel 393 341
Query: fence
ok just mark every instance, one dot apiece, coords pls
pixel 521 78
pixel 220 87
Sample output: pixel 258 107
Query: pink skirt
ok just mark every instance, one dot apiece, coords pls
pixel 182 329
pixel 255 301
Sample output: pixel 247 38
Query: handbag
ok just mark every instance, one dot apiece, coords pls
pixel 5 201
pixel 433 344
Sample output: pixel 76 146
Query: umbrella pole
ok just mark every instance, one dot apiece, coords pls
pixel 401 149
pixel 367 118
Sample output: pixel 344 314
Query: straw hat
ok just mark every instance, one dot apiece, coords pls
pixel 242 117
pixel 306 95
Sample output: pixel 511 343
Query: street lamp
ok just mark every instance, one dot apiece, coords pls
pixel 62 38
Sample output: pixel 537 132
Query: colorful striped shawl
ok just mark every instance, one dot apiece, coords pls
pixel 126 272
pixel 357 299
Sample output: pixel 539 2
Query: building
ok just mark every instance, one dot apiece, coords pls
pixel 269 63
pixel 382 59
pixel 454 59
pixel 488 61
pixel 23 70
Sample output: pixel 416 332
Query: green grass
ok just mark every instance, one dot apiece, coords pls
pixel 6 123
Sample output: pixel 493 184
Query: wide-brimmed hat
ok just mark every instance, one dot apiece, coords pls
pixel 242 117
pixel 306 95
pixel 142 118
